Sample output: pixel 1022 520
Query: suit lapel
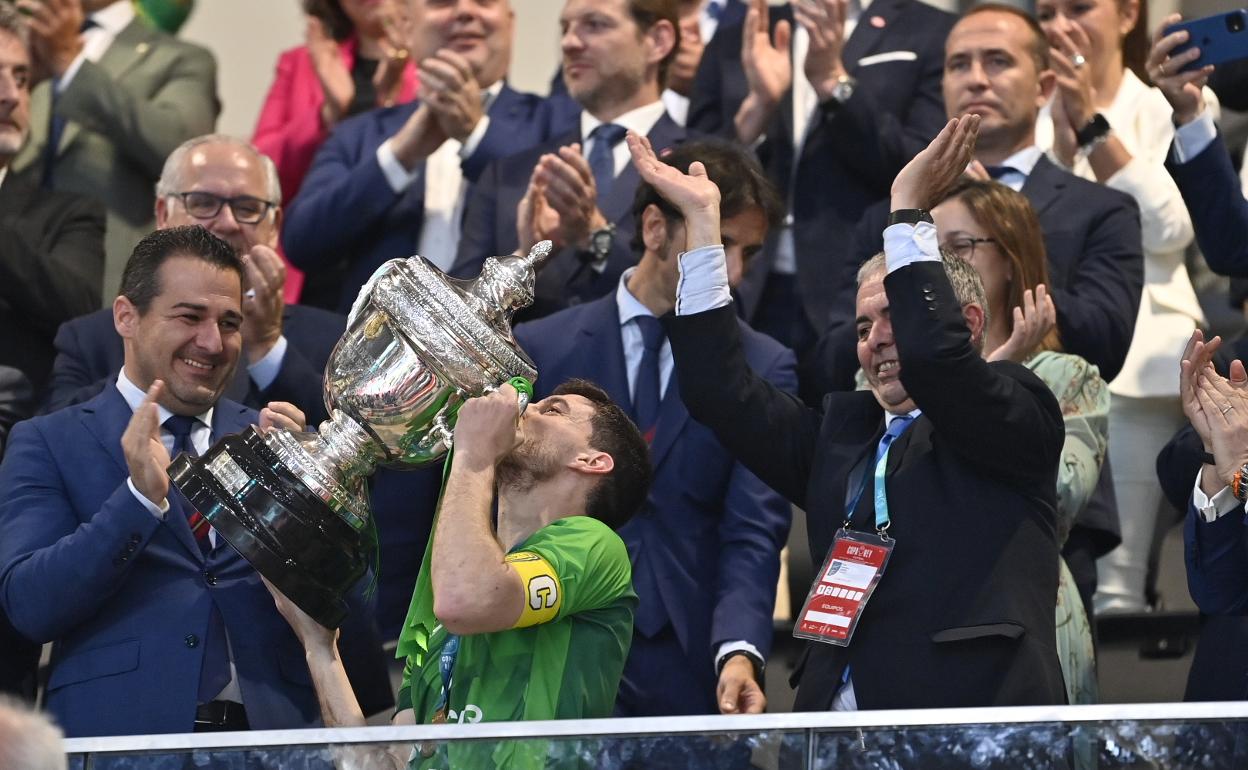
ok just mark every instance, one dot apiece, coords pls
pixel 672 418
pixel 868 36
pixel 602 348
pixel 1044 185
pixel 126 50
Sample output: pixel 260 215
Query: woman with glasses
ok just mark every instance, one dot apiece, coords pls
pixel 996 230
pixel 355 59
pixel 1107 124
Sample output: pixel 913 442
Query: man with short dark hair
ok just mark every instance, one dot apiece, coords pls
pixel 577 189
pixel 706 547
pixel 157 624
pixel 527 619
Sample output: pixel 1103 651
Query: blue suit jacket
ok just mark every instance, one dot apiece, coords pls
pixel 1216 554
pixel 1213 195
pixel 347 220
pixel 565 279
pixel 706 545
pixel 853 151
pixel 125 597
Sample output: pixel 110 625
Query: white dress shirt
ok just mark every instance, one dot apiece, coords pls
pixel 108 23
pixel 1021 164
pixel 445 186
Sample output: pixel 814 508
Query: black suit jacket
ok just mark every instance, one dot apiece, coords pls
pixel 51 269
pixel 852 151
pixel 964 615
pixel 566 279
pixel 1096 275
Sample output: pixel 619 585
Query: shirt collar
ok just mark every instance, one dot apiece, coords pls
pixel 630 307
pixel 639 121
pixel 1024 160
pixel 488 95
pixel 134 397
pixel 114 18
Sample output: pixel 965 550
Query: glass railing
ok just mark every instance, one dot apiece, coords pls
pixel 1167 735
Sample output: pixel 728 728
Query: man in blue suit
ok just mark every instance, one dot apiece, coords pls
pixel 391 182
pixel 158 626
pixel 1199 161
pixel 706 545
pixel 836 96
pixel 225 185
pixel 577 189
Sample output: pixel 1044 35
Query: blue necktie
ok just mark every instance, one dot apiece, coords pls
pixel 56 124
pixel 602 156
pixel 714 10
pixel 215 673
pixel 996 172
pixel 895 428
pixel 646 391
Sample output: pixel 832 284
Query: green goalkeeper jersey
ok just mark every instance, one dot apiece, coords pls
pixel 563 660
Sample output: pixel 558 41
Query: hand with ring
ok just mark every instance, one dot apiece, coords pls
pixel 1184 90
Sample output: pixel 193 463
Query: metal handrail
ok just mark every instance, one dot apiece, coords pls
pixel 643 726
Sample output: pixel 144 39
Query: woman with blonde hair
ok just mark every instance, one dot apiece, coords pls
pixel 996 230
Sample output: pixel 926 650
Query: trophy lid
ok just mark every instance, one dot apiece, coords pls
pixel 464 322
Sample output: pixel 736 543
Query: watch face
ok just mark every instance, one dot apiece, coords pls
pixel 602 241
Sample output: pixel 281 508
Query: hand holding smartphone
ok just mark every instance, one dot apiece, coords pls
pixel 1220 38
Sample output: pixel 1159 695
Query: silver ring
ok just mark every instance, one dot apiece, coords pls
pixel 1227 408
pixel 1078 60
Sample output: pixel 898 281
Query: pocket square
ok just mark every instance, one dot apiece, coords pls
pixel 880 58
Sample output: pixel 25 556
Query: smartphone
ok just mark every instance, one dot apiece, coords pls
pixel 1220 38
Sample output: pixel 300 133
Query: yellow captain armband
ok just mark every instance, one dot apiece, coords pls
pixel 543 593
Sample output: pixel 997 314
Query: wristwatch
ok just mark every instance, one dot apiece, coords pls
pixel 755 661
pixel 1239 484
pixel 1094 131
pixel 909 217
pixel 600 242
pixel 844 89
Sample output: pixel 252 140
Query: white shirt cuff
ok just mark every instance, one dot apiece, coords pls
pixel 728 647
pixel 703 283
pixel 1213 509
pixel 905 244
pixel 1191 139
pixel 158 511
pixel 398 177
pixel 264 371
pixel 64 80
pixel 474 139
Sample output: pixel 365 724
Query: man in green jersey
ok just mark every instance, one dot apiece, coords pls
pixel 530 619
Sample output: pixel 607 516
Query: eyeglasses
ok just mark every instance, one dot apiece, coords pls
pixel 965 247
pixel 204 205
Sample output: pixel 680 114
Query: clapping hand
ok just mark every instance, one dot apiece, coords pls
pixel 567 187
pixel 335 79
pixel 1197 360
pixel 146 456
pixel 450 88
pixel 1184 90
pixel 693 194
pixel 768 70
pixel 1033 320
pixel 1224 403
pixel 824 22
pixel 396 31
pixel 1076 100
pixel 926 177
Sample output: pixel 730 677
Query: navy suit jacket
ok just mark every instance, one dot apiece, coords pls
pixel 706 545
pixel 125 597
pixel 852 151
pixel 565 279
pixel 347 220
pixel 964 614
pixel 1212 192
pixel 1096 274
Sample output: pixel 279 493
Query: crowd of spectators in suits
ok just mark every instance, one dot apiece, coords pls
pixel 1068 164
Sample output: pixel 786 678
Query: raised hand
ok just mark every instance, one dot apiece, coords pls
pixel 448 85
pixel 768 70
pixel 1032 322
pixel 263 304
pixel 396 31
pixel 1225 406
pixel 336 83
pixel 1184 90
pixel 56 38
pixel 693 194
pixel 567 184
pixel 146 457
pixel 925 178
pixel 824 21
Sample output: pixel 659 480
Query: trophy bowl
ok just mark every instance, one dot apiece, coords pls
pixel 418 343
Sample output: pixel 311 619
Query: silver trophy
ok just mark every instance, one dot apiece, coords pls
pixel 418 343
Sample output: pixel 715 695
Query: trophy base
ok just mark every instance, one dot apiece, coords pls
pixel 271 517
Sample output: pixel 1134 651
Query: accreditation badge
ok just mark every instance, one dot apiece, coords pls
pixel 846 581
